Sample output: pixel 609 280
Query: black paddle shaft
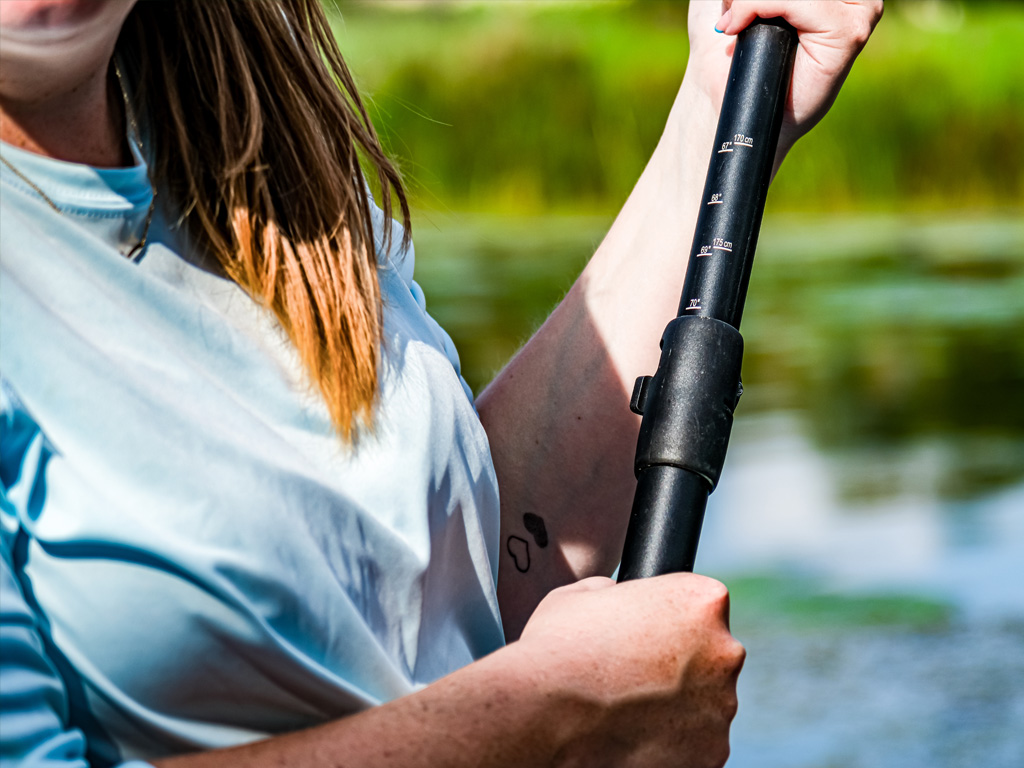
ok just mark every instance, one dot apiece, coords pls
pixel 688 404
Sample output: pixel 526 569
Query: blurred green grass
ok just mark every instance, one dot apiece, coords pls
pixel 762 602
pixel 533 107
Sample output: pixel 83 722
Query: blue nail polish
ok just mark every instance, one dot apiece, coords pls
pixel 719 31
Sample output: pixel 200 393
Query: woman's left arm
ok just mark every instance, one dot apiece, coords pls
pixel 561 434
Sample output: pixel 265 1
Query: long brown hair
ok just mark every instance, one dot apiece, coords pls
pixel 258 134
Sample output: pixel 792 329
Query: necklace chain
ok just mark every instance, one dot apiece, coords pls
pixel 31 183
pixel 140 246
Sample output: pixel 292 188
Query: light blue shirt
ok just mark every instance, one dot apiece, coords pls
pixel 191 557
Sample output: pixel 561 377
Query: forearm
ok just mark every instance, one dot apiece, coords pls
pixel 493 712
pixel 562 435
pixel 637 675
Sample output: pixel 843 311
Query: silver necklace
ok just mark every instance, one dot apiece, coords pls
pixel 136 250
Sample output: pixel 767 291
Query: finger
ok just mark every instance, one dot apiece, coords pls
pixel 806 16
pixel 692 589
pixel 854 20
pixel 720 600
pixel 713 592
pixel 704 13
pixel 726 609
pixel 738 656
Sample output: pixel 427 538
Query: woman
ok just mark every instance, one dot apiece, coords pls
pixel 245 495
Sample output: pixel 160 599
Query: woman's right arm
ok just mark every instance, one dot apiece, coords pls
pixel 635 674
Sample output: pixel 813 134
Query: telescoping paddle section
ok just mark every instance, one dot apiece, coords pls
pixel 688 404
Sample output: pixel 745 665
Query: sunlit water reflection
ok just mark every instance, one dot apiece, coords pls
pixel 779 509
pixel 911 691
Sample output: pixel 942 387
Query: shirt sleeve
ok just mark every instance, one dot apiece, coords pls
pixel 33 699
pixel 402 259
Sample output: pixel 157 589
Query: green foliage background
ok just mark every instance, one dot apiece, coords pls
pixel 529 107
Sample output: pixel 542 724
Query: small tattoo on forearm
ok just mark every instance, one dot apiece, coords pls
pixel 535 525
pixel 519 549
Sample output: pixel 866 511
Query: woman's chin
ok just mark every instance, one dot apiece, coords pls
pixel 50 16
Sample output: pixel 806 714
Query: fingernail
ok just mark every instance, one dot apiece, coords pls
pixel 723 23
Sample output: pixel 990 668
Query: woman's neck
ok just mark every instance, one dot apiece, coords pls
pixel 82 125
